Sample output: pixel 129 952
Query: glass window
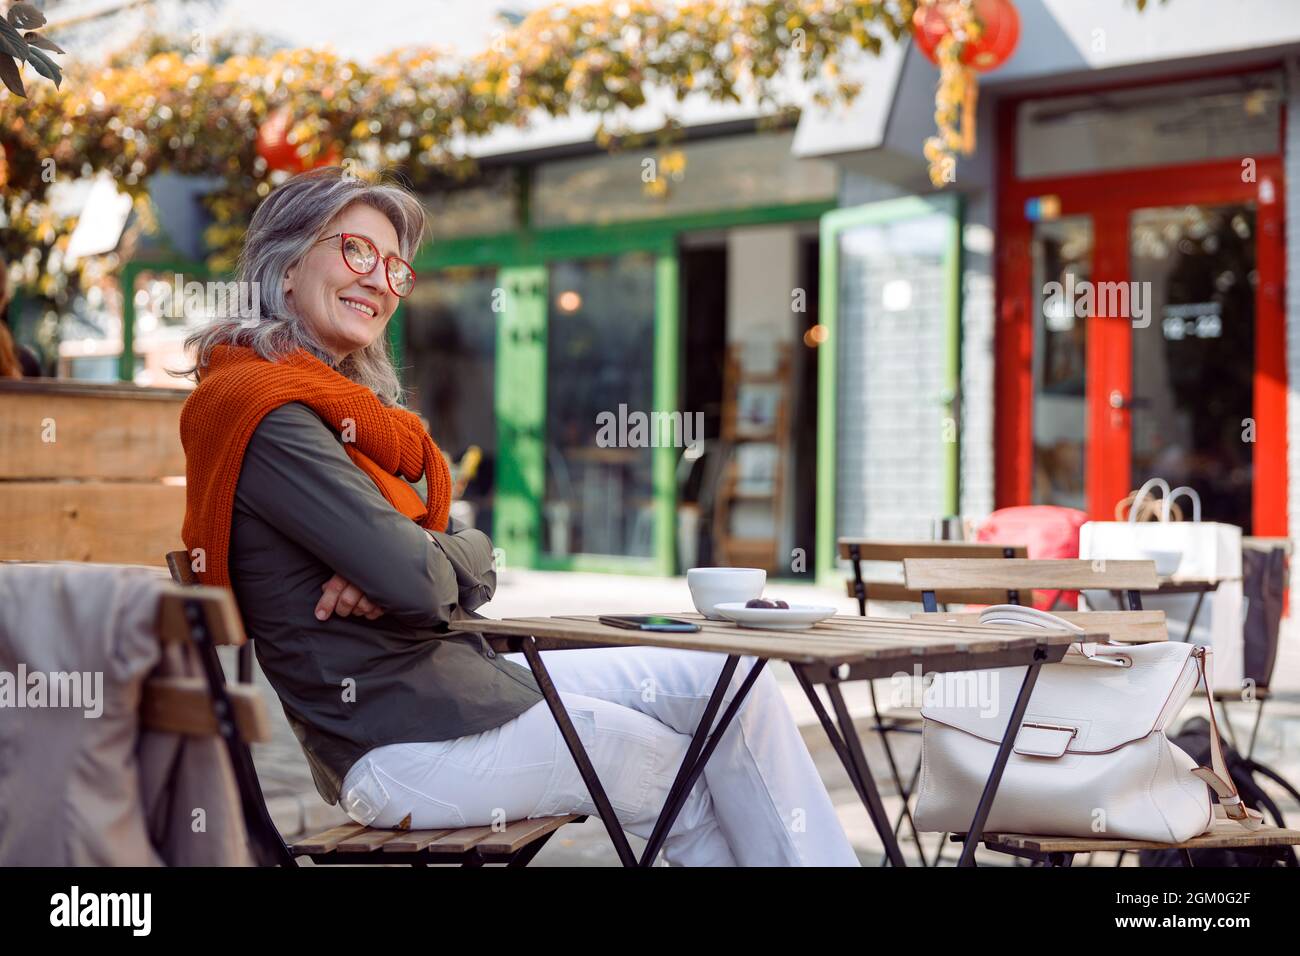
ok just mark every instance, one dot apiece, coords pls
pixel 1194 363
pixel 600 362
pixel 170 305
pixel 1150 126
pixel 725 173
pixel 483 207
pixel 451 358
pixel 1062 258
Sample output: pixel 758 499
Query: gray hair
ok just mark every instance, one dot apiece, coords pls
pixel 284 228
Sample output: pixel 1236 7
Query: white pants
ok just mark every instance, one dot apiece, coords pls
pixel 759 801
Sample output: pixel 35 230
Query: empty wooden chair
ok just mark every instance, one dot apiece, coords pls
pixel 1007 580
pixel 858 550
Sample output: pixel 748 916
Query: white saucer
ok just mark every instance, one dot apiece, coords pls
pixel 797 617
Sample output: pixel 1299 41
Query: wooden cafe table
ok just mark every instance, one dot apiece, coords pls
pixel 840 649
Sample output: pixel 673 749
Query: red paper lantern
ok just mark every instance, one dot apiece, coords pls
pixel 273 145
pixel 998 41
pixel 993 48
pixel 929 26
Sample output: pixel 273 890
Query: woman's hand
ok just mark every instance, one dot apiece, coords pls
pixel 342 597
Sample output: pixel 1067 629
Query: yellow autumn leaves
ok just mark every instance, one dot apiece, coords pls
pixel 198 112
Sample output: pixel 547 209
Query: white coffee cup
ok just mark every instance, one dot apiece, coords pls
pixel 713 586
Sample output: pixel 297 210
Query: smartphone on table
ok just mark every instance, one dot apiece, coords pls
pixel 649 622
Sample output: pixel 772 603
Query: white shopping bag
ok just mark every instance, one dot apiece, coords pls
pixel 1184 549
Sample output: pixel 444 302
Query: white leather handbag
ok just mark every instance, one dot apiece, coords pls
pixel 1092 757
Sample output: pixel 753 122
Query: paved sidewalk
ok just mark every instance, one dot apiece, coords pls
pixel 297 807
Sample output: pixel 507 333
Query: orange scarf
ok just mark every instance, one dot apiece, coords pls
pixel 238 387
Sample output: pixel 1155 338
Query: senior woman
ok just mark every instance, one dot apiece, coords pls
pixel 302 471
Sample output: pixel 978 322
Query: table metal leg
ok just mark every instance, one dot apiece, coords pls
pixel 1254 731
pixel 1232 734
pixel 904 792
pixel 1196 612
pixel 976 831
pixel 697 754
pixel 574 743
pixel 849 749
pixel 700 750
pixel 898 823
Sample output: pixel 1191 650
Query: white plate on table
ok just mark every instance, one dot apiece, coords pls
pixel 797 617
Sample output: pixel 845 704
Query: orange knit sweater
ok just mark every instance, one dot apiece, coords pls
pixel 238 387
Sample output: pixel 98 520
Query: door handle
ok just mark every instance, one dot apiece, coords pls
pixel 1118 401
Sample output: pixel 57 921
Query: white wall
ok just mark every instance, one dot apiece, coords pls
pixel 1064 36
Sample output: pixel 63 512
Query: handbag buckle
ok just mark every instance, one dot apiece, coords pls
pixel 1036 739
pixel 1074 731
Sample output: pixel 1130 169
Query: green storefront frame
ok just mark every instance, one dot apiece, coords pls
pixel 833 224
pixel 191 271
pixel 522 258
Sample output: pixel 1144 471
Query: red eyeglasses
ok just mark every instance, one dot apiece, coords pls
pixel 362 255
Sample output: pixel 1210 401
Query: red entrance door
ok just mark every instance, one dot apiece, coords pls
pixel 1140 333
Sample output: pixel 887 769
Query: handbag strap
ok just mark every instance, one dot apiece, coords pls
pixel 1217 775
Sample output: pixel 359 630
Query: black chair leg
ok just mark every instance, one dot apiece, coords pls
pixel 905 792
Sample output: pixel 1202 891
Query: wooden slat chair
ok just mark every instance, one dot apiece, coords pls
pixel 1130 578
pixel 1123 627
pixel 1269 843
pixel 205 618
pixel 1004 581
pixel 906 720
pixel 858 550
pixel 513 845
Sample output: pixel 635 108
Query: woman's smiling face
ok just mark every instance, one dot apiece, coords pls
pixel 346 311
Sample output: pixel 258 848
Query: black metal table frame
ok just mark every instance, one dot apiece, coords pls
pixel 844 740
pixel 905 790
pixel 703 743
pixel 848 745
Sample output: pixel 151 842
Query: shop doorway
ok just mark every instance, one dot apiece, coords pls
pixel 749 305
pixel 1142 333
pixel 1153 327
pixel 450 354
